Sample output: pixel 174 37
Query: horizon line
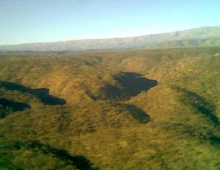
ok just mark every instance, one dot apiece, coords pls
pixel 107 38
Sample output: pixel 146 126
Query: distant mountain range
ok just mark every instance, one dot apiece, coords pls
pixel 212 42
pixel 198 37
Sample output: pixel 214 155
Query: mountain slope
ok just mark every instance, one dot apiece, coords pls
pixel 215 42
pixel 118 43
pixel 140 109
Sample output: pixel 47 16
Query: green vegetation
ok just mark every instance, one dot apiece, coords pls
pixel 34 155
pixel 111 110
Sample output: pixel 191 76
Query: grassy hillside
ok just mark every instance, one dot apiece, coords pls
pixel 111 110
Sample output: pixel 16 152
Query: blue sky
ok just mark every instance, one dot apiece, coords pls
pixel 26 21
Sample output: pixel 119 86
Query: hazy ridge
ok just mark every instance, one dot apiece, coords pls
pixel 213 42
pixel 188 36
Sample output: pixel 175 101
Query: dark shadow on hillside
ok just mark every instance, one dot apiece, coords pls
pixel 135 83
pixel 78 161
pixel 16 106
pixel 42 94
pixel 215 140
pixel 128 84
pixel 195 132
pixel 11 106
pixel 199 103
pixel 138 113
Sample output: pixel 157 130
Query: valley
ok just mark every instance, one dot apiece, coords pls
pixel 104 109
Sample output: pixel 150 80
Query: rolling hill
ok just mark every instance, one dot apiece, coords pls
pixel 111 110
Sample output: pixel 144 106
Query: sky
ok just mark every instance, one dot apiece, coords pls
pixel 27 21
